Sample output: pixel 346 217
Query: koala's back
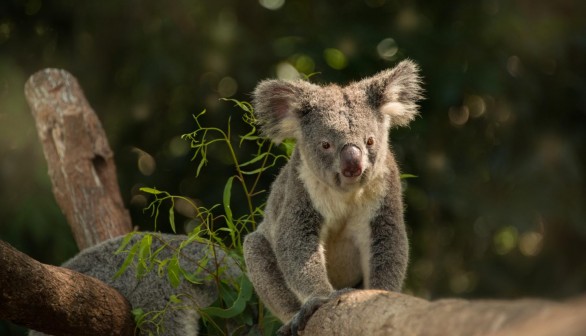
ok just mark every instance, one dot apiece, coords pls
pixel 151 292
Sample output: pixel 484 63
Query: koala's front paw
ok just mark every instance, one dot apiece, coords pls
pixel 300 319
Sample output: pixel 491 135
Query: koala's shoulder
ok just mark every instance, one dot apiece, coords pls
pixel 288 183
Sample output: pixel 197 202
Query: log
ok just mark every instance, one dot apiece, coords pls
pixel 80 161
pixel 375 312
pixel 59 301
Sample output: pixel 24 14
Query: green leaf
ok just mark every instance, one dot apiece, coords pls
pixel 192 278
pixel 158 250
pixel 144 255
pixel 408 176
pixel 194 236
pixel 288 145
pixel 226 199
pixel 151 191
pixel 173 272
pixel 245 106
pixel 202 163
pixel 175 299
pixel 256 171
pixel 239 305
pixel 145 246
pixel 250 136
pixel 138 314
pixel 255 159
pixel 129 259
pixel 125 242
pixel 162 267
pixel 172 216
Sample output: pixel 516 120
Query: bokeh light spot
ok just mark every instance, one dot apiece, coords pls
pixel 272 4
pixel 139 201
pixel 141 112
pixel 287 71
pixel 462 282
pixel 33 6
pixel 335 58
pixel 304 64
pixel 5 30
pixel 505 240
pixel 514 66
pixel 186 207
pixel 476 105
pixel 407 19
pixel 458 115
pixel 387 49
pixel 530 243
pixel 178 147
pixel 227 87
pixel 146 162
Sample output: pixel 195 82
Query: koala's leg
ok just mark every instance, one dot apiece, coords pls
pixel 389 256
pixel 267 278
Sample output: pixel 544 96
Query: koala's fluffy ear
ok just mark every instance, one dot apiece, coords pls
pixel 395 92
pixel 276 106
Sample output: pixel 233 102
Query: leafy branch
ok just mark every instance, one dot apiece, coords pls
pixel 218 228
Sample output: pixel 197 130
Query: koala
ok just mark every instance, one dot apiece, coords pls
pixel 334 216
pixel 151 292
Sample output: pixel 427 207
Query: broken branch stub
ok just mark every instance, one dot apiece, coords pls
pixel 80 161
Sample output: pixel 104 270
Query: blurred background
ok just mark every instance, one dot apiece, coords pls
pixel 498 206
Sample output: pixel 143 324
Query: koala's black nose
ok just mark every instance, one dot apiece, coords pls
pixel 351 161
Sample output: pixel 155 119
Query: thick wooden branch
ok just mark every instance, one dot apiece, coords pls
pixel 59 301
pixel 81 163
pixel 371 312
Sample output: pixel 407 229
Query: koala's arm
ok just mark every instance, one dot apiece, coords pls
pixel 389 245
pixel 300 254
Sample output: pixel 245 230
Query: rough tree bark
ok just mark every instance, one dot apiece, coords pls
pixel 58 301
pixel 81 163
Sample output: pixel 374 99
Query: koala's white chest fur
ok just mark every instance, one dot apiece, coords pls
pixel 345 232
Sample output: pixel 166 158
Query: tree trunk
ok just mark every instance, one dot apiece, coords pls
pixel 59 301
pixel 372 312
pixel 81 163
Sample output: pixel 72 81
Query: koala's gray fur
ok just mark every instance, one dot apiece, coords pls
pixel 334 216
pixel 151 292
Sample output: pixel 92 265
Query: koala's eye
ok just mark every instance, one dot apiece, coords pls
pixel 325 145
pixel 370 141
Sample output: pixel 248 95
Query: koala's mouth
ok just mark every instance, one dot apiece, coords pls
pixel 345 181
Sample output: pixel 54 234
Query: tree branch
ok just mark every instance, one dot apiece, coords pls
pixel 372 312
pixel 80 161
pixel 59 301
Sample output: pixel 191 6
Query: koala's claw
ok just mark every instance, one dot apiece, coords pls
pixel 299 320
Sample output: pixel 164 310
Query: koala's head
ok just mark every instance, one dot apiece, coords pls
pixel 341 132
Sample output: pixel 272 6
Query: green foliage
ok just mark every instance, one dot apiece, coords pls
pixel 237 310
